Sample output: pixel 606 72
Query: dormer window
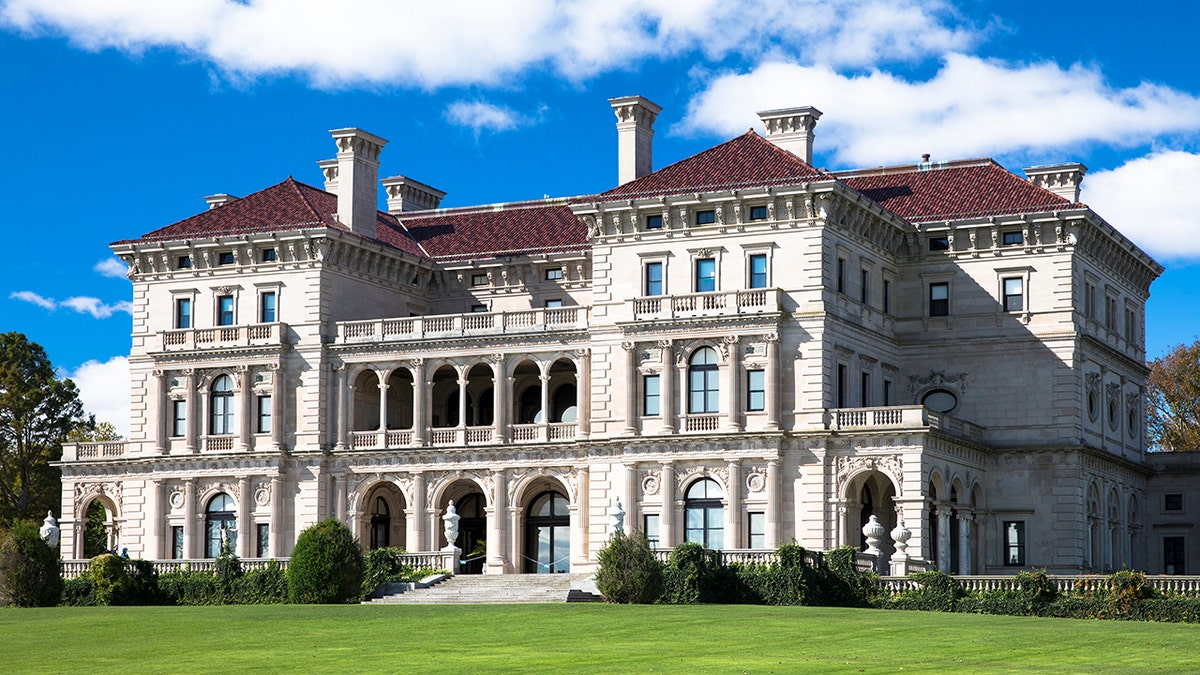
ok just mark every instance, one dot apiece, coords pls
pixel 479 280
pixel 268 255
pixel 225 258
pixel 939 243
pixel 554 273
pixel 758 213
pixel 183 262
pixel 706 217
pixel 654 222
pixel 1013 238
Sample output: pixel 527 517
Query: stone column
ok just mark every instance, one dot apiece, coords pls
pixel 544 432
pixel 420 405
pixel 632 413
pixel 583 394
pixel 415 518
pixel 943 540
pixel 667 389
pixel 152 525
pixel 666 520
pixel 772 384
pixel 191 543
pixel 499 395
pixel 579 520
pixel 278 411
pixel 276 523
pixel 381 442
pixel 495 529
pixel 462 409
pixel 191 423
pixel 162 413
pixel 772 515
pixel 245 424
pixel 733 385
pixel 733 507
pixel 964 542
pixel 244 535
pixel 345 402
pixel 681 393
pixel 628 476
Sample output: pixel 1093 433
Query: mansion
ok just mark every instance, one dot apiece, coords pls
pixel 737 349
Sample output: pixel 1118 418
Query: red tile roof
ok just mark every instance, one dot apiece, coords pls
pixel 961 190
pixel 501 230
pixel 287 206
pixel 746 161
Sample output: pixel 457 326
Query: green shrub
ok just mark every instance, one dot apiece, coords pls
pixel 111 580
pixel 78 592
pixel 326 566
pixel 228 572
pixel 628 571
pixel 265 586
pixel 937 592
pixel 689 576
pixel 1035 588
pixel 849 586
pixel 1127 588
pixel 188 587
pixel 30 571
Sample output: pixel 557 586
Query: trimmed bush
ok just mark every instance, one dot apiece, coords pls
pixel 938 592
pixel 30 571
pixel 326 566
pixel 690 575
pixel 78 592
pixel 629 573
pixel 187 587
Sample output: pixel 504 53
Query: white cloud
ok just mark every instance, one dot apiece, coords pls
pixel 104 390
pixel 482 116
pixel 82 304
pixel 971 107
pixel 111 267
pixel 371 42
pixel 1151 200
pixel 34 298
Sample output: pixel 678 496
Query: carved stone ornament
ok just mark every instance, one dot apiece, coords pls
pixel 938 378
pixel 262 494
pixel 756 481
pixel 176 499
pixel 889 464
pixel 1093 382
pixel 650 482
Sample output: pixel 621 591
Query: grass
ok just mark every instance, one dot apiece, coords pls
pixel 576 638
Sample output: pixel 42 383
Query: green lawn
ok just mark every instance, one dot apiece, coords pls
pixel 582 638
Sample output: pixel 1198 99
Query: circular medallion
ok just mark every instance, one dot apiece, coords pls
pixel 176 500
pixel 650 485
pixel 755 482
pixel 262 496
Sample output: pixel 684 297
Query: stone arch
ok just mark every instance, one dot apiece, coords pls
pixel 526 390
pixel 704 509
pixel 379 527
pixel 364 383
pixel 548 514
pixel 111 524
pixel 562 389
pixel 870 491
pixel 472 501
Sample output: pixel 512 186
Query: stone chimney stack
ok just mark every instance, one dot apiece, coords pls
pixel 405 194
pixel 1061 179
pixel 329 170
pixel 219 199
pixel 635 136
pixel 357 179
pixel 792 129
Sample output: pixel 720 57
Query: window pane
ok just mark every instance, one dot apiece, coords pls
pixel 757 530
pixel 650 405
pixel 225 310
pixel 650 528
pixel 183 313
pixel 756 397
pixel 758 213
pixel 268 308
pixel 758 271
pixel 264 414
pixel 706 217
pixel 654 278
pixel 706 275
pixel 654 222
pixel 179 418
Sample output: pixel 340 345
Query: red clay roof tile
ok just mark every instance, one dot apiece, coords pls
pixel 497 231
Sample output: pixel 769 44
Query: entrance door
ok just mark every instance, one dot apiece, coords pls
pixel 548 535
pixel 472 533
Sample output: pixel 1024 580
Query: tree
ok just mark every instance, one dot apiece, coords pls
pixel 37 410
pixel 30 571
pixel 1173 399
pixel 101 432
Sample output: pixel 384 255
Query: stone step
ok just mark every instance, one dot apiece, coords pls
pixel 483 589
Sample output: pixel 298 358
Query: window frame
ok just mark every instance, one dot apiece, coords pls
pixel 264 417
pixel 936 307
pixel 271 298
pixel 758 533
pixel 704 382
pixel 651 527
pixel 757 212
pixel 1012 238
pixel 1174 553
pixel 1011 545
pixel 698 277
pixel 177 545
pixel 553 303
pixel 180 304
pixel 756 392
pixel 939 243
pixel 648 278
pixel 178 418
pixel 225 258
pixel 221 419
pixel 711 510
pixel 757 279
pixel 649 396
pixel 1012 301
pixel 705 217
pixel 223 317
pixel 1168 506
pixel 655 221
pixel 479 279
pixel 553 274
pixel 183 262
pixel 268 255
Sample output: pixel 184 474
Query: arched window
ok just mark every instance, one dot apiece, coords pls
pixel 381 524
pixel 703 387
pixel 704 514
pixel 548 534
pixel 220 525
pixel 221 405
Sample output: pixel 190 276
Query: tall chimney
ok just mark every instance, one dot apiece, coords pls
pixel 219 199
pixel 792 129
pixel 357 179
pixel 1061 179
pixel 405 194
pixel 329 168
pixel 635 136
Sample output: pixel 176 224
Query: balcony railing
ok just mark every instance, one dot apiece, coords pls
pixel 218 443
pixel 82 451
pixel 460 325
pixel 899 417
pixel 720 303
pixel 553 432
pixel 223 337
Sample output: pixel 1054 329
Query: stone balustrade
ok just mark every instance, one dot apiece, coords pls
pixel 553 432
pixel 899 417
pixel 224 337
pixel 93 451
pixel 720 303
pixel 462 325
pixel 435 560
pixel 1163 583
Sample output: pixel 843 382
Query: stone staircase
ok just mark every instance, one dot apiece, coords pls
pixel 492 588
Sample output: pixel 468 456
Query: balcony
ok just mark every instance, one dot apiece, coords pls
pixel 464 325
pixel 92 451
pixel 899 417
pixel 553 432
pixel 223 337
pixel 720 303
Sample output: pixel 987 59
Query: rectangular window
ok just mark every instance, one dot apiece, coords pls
pixel 183 313
pixel 225 310
pixel 939 299
pixel 178 418
pixel 651 396
pixel 554 273
pixel 841 275
pixel 183 262
pixel 840 393
pixel 479 280
pixel 939 243
pixel 1173 502
pixel 654 222
pixel 757 530
pixel 264 415
pixel 1173 555
pixel 1014 543
pixel 1014 294
pixel 554 304
pixel 176 542
pixel 1013 238
pixel 887 392
pixel 225 258
pixel 706 275
pixel 263 539
pixel 758 212
pixel 706 217
pixel 1089 300
pixel 1130 323
pixel 887 296
pixel 864 286
pixel 864 395
pixel 267 310
pixel 479 308
pixel 268 255
pixel 650 528
pixel 758 270
pixel 756 390
pixel 654 278
pixel 1110 312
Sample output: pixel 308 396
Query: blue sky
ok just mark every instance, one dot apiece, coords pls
pixel 120 117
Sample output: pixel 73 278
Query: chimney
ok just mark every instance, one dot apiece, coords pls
pixel 220 199
pixel 329 170
pixel 1061 179
pixel 635 136
pixel 792 129
pixel 406 194
pixel 357 179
